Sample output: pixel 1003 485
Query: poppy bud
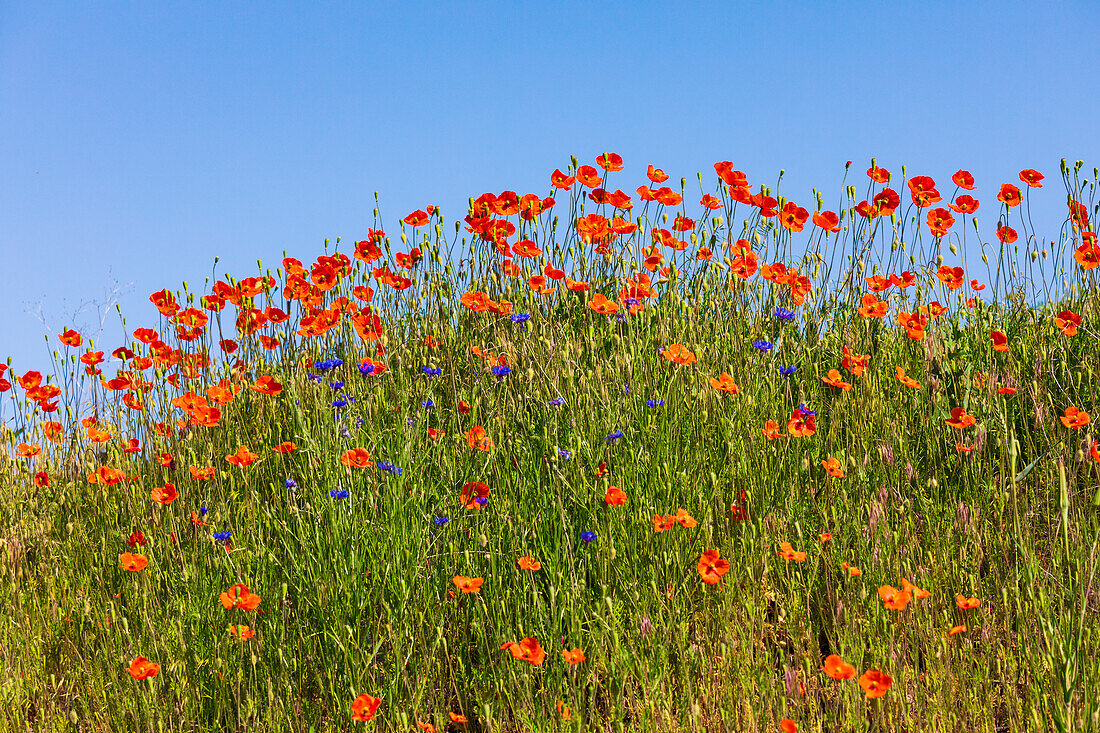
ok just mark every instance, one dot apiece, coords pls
pixel 939 259
pixel 985 258
pixel 483 540
pixel 954 249
pixel 1034 255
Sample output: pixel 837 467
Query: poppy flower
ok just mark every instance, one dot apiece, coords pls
pixel 527 649
pixel 790 554
pixel 914 323
pixel 771 430
pixel 964 205
pixel 712 567
pixel 41 480
pixel 573 656
pixel 827 220
pixel 963 448
pixel 1006 390
pixel 965 603
pixel 878 175
pixel 959 419
pixel 428 727
pixel 837 668
pixel 602 305
pixel 1067 322
pixel 142 669
pixel 684 519
pixel 528 563
pixel 802 423
pixel 913 590
pixel 1095 452
pixel 132 561
pixel 833 466
pixel 287 447
pixel 963 179
pixel 243 457
pixel 1075 418
pixel 458 718
pixel 239 596
pixel 356 458
pixel 266 385
pixel 922 189
pixel 834 380
pixel 824 537
pixel 364 707
pixel 1087 256
pixel 875 683
pixel 164 494
pixel 614 496
pixel 70 338
pixel 899 374
pixel 677 354
pixel 1006 234
pixel 610 162
pixel 788 726
pixel 855 363
pixel 474 495
pixel 957 630
pixel 242 632
pixel 467 585
pixel 1009 195
pixel 477 439
pixel 851 570
pixel 1000 341
pixel 893 598
pixel 939 221
pixel 201 474
pixel 663 523
pixel 952 277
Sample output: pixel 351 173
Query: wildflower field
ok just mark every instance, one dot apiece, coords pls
pixel 692 457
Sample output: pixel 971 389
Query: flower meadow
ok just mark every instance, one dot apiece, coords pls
pixel 683 458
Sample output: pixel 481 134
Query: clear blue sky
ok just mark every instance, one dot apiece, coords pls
pixel 140 140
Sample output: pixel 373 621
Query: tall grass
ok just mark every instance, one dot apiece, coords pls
pixel 357 593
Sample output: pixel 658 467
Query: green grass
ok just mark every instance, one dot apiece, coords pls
pixel 357 594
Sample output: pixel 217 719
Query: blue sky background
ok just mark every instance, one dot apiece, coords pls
pixel 140 140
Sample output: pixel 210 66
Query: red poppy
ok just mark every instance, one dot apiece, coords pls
pixel 356 458
pixel 527 649
pixel 833 467
pixel 965 603
pixel 678 354
pixel 1067 322
pixel 922 190
pixel 471 492
pixel 875 683
pixel 725 383
pixel 1006 234
pixel 827 220
pixel 416 219
pixel 957 630
pixel 70 338
pixel 939 221
pixel 588 176
pixel 1000 341
pixel 963 179
pixel 802 424
pixel 610 162
pixel 614 496
pixel 239 596
pixel 837 668
pixel 287 447
pixel 893 598
pixel 788 726
pixel 960 419
pixel 788 553
pixel 267 385
pixel 243 457
pixel 133 562
pixel 1009 195
pixel 952 277
pixel 878 175
pixel 1074 418
pixel 164 494
pixel 142 669
pixel 1032 177
pixel 528 563
pixel 899 374
pixel 834 380
pixel 364 708
pixel 573 656
pixel 855 363
pixel 712 567
pixel 477 439
pixel 467 585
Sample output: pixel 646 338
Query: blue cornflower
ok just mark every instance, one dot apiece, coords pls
pixel 614 436
pixel 786 371
pixel 431 372
pixel 483 500
pixel 556 403
pixel 626 390
pixel 389 468
pixel 327 364
pixel 336 385
pixel 588 536
pixel 339 493
pixel 339 403
pixel 427 403
pixel 806 411
pixel 521 318
pixel 762 346
pixel 440 521
pixel 222 536
pixel 289 484
pixel 366 369
pixel 565 454
pixel 654 404
pixel 202 511
pixel 315 378
pixel 783 314
pixel 632 302
pixel 500 371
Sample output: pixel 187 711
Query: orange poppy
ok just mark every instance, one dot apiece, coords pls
pixel 573 656
pixel 356 458
pixel 1095 452
pixel 913 590
pixel 957 630
pixel 801 424
pixel 527 649
pixel 427 727
pixel 790 554
pixel 684 519
pixel 834 380
pixel 965 603
pixel 952 277
pixel 914 323
pixel 677 354
pixel 663 523
pixel 1009 195
pixel 771 430
pixel 614 496
pixel 164 494
pixel 563 709
pixel 712 567
pixel 266 385
pixel 132 561
pixel 467 585
pixel 824 537
pixel 364 708
pixel 959 419
pixel 436 434
pixel 239 596
pixel 528 563
pixel 899 374
pixel 725 383
pixel 30 451
pixel 851 570
pixel 1075 418
pixel 287 447
pixel 788 726
pixel 602 305
pixel 70 338
pixel 837 668
pixel 964 205
pixel 878 175
pixel 833 466
pixel 827 220
pixel 472 491
pixel 476 438
pixel 963 448
pixel 1067 322
pixel 939 221
pixel 893 598
pixel 242 632
pixel 855 363
pixel 458 718
pixel 142 669
pixel 1000 341
pixel 875 683
pixel 243 457
pixel 963 179
pixel 610 162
